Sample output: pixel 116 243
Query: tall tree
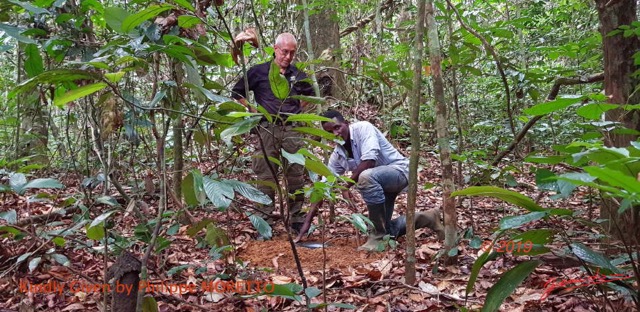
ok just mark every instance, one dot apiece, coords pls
pixel 620 88
pixel 442 131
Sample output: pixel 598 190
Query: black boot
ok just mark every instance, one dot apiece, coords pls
pixel 389 205
pixel 377 217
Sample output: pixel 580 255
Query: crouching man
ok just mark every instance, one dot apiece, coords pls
pixel 380 173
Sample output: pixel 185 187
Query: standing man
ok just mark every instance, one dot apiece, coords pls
pixel 277 135
pixel 380 172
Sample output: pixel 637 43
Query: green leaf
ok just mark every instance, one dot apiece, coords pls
pixel 10 216
pixel 185 4
pixel 552 106
pixel 551 160
pixel 107 200
pixel 130 22
pixel 312 292
pixel 517 221
pixel 188 21
pixel 193 188
pixel 279 84
pixel 33 264
pixel 10 230
pixel 318 167
pixel 306 118
pixel 615 178
pixel 360 222
pixel 507 284
pixel 310 99
pixel 33 65
pixel 543 180
pixel 62 259
pixel 263 228
pixel 506 195
pixel 15 33
pixel 315 131
pixel 101 218
pixel 293 158
pixel 59 241
pixel 178 269
pixel 43 184
pixel 249 192
pixel 238 128
pixel 17 181
pixel 220 194
pixel 149 304
pixel 287 291
pixel 114 77
pixel 23 257
pixel 538 238
pixel 586 254
pixel 194 229
pixel 594 111
pixel 27 6
pixel 475 269
pixel 95 233
pixel 78 93
pixel 114 16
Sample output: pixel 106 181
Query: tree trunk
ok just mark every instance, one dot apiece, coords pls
pixel 325 35
pixel 416 100
pixel 619 85
pixel 442 132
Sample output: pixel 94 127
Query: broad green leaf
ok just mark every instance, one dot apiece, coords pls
pixel 23 257
pixel 238 128
pixel 615 178
pixel 538 238
pixel 506 195
pixel 193 188
pixel 316 131
pixel 101 218
pixel 178 269
pixel 360 222
pixel 293 158
pixel 114 16
pixel 586 254
pixel 475 269
pixel 27 6
pixel 78 93
pixel 157 98
pixel 43 184
pixel 312 292
pixel 10 230
pixel 551 160
pixel 318 167
pixel 185 4
pixel 517 221
pixel 149 304
pixel 195 228
pixel 279 84
pixel 310 99
pixel 33 264
pixel 59 241
pixel 15 33
pixel 188 21
pixel 33 65
pixel 17 181
pixel 10 216
pixel 95 233
pixel 552 106
pixel 220 194
pixel 595 111
pixel 132 21
pixel 62 259
pixel 507 284
pixel 307 117
pixel 216 236
pixel 107 200
pixel 543 182
pixel 287 291
pixel 249 192
pixel 263 228
pixel 114 77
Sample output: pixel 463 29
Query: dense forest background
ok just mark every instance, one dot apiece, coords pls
pixel 119 144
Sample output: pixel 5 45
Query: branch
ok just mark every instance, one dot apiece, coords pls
pixel 552 95
pixel 363 22
pixel 496 58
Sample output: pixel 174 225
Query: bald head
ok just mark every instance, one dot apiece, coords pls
pixel 285 50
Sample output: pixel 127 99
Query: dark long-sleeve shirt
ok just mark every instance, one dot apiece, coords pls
pixel 258 77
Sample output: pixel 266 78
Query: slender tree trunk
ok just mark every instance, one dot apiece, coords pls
pixel 442 132
pixel 416 100
pixel 619 87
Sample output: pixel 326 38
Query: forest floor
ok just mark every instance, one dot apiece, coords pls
pixel 368 281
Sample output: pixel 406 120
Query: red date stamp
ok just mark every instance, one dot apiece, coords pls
pixel 509 246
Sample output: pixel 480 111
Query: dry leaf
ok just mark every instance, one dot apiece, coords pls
pixel 74 307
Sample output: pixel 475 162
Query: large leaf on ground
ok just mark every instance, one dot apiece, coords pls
pixel 507 284
pixel 219 193
pixel 517 221
pixel 249 192
pixel 43 184
pixel 279 84
pixel 506 195
pixel 588 255
pixel 10 216
pixel 130 22
pixel 263 228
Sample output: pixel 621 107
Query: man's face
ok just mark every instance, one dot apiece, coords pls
pixel 285 52
pixel 337 128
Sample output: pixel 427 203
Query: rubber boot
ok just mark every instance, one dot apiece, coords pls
pixel 377 217
pixel 295 203
pixel 389 205
pixel 429 219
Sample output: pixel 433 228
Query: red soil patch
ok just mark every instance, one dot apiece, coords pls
pixel 276 253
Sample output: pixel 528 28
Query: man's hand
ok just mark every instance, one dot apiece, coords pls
pixel 348 197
